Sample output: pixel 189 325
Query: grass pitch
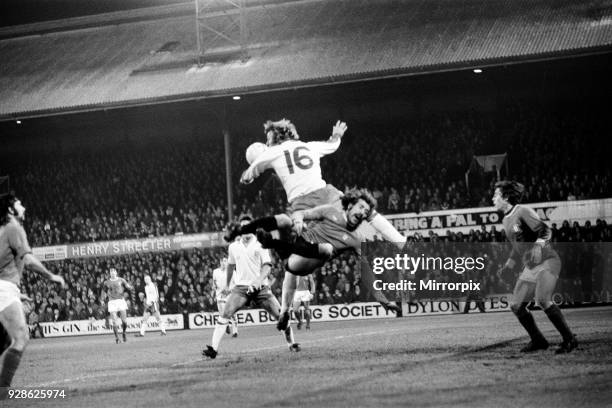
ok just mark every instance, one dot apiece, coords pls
pixel 434 361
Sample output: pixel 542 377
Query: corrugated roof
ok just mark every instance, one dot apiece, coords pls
pixel 308 42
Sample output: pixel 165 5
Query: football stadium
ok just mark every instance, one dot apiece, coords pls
pixel 232 203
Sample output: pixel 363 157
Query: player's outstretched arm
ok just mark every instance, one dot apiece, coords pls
pixel 31 262
pixel 332 144
pixel 338 131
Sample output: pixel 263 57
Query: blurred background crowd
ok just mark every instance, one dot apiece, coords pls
pixel 116 191
pixel 184 277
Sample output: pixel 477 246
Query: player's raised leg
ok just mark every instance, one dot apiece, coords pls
pixel 270 223
pixel 386 229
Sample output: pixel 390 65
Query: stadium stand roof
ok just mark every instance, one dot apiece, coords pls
pixel 147 56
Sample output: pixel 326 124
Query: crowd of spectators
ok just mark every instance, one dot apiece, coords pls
pixel 163 189
pixel 155 189
pixel 184 277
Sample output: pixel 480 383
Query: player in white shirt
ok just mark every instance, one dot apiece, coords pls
pixel 296 163
pixel 298 166
pixel 151 307
pixel 221 291
pixel 251 265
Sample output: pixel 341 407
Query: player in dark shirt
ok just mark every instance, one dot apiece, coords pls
pixel 530 239
pixel 117 306
pixel 15 254
pixel 331 231
pixel 301 300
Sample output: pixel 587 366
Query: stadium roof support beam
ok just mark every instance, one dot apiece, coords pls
pixel 221 29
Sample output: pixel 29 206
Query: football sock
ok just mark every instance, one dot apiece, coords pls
pixel 526 319
pixel 162 325
pixel 299 247
pixel 12 358
pixel 267 223
pixel 289 336
pixel 307 313
pixel 556 317
pixel 234 325
pixel 218 335
pixel 115 330
pixel 387 230
pixel 289 286
pixel 300 315
pixel 124 326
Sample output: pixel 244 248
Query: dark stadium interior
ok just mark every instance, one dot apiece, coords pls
pixel 159 170
pixel 121 119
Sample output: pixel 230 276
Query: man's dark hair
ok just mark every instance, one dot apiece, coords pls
pixel 355 194
pixel 511 190
pixel 7 201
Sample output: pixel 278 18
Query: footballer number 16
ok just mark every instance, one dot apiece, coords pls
pixel 302 161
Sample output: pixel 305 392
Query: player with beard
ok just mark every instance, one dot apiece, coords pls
pixel 331 231
pixel 297 165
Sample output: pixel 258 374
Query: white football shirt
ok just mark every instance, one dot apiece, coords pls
pixel 297 164
pixel 249 259
pixel 151 293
